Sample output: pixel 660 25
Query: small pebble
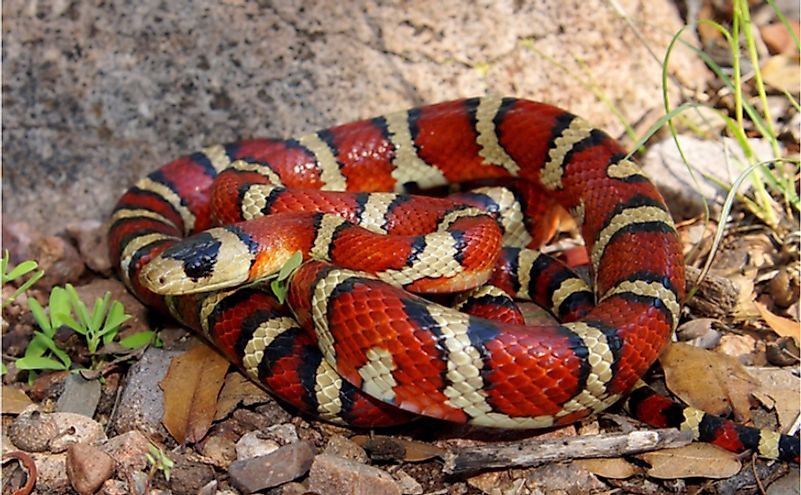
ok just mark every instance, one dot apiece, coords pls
pixel 88 468
pixel 285 464
pixel 75 428
pixel 59 259
pixel 342 447
pixel 32 431
pixel 253 444
pixel 51 475
pixel 91 238
pixel 408 485
pixel 128 450
pixel 334 475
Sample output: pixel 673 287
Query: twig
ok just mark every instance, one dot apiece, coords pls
pixel 535 452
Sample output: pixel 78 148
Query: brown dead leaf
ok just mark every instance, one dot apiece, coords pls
pixel 778 38
pixel 14 400
pixel 784 327
pixel 779 390
pixel 694 460
pixel 710 381
pixel 781 72
pixel 190 390
pixel 616 468
pixel 407 450
pixel 238 389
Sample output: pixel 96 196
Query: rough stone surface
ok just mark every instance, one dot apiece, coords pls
pixel 342 447
pixel 88 468
pixel 253 444
pixel 408 485
pixel 128 450
pixel 283 465
pixel 80 396
pixel 75 428
pixel 141 406
pixel 58 258
pixel 336 475
pixel 188 476
pixel 51 475
pixel 32 431
pixel 96 95
pixel 721 160
pixel 90 237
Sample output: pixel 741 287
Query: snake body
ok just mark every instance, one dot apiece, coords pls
pixel 352 344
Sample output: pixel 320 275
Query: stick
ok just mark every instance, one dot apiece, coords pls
pixel 535 452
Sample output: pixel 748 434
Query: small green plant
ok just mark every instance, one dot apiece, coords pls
pixel 98 326
pixel 279 284
pixel 18 271
pixel 159 461
pixel 42 352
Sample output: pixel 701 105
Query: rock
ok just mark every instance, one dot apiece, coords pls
pixel 777 38
pixel 75 428
pixel 92 240
pixel 285 464
pixel 253 444
pixel 408 485
pixel 743 347
pixel 32 431
pixel 59 259
pixel 335 475
pixel 275 411
pixel 219 449
pixel 88 468
pixel 80 396
pixel 114 487
pixel 721 159
pixel 17 237
pixel 252 419
pixel 293 488
pixel 699 332
pixel 340 446
pixel 51 476
pixel 83 132
pixel 283 434
pixel 49 386
pixel 188 476
pixel 128 450
pixel 141 406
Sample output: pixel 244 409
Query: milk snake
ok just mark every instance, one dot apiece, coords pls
pixel 359 348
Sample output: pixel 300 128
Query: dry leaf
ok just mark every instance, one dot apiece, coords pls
pixel 785 327
pixel 694 460
pixel 616 468
pixel 190 389
pixel 710 381
pixel 238 389
pixel 779 390
pixel 14 400
pixel 410 451
pixel 781 72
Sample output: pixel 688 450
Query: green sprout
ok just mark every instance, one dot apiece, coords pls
pixel 18 271
pixel 159 461
pixel 42 352
pixel 280 283
pixel 98 326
